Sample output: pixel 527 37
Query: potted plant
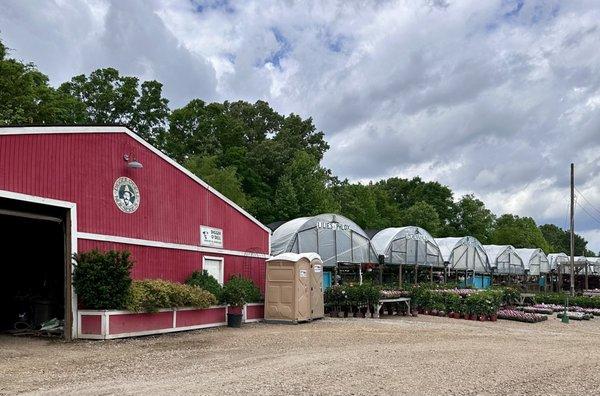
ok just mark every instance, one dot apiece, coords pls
pixel 235 295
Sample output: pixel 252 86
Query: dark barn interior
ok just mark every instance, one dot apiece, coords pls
pixel 32 285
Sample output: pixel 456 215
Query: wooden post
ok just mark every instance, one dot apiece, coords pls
pixel 560 278
pixel 400 275
pixel 586 277
pixel 431 274
pixel 572 229
pixel 416 272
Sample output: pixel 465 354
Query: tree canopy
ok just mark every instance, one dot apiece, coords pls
pixel 266 162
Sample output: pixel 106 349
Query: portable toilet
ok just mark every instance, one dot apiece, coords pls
pixel 287 292
pixel 317 306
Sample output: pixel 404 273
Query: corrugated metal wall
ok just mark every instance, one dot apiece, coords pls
pixel 82 168
pixel 177 265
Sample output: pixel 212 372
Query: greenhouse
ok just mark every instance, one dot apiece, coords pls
pixel 535 261
pixel 464 254
pixel 504 260
pixel 335 238
pixel 408 246
pixel 594 264
pixel 557 259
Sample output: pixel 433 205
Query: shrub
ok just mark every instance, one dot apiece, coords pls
pixel 452 302
pixel 335 297
pixel 102 279
pixel 238 291
pixel 153 294
pixel 509 295
pixel 204 280
pixel 560 298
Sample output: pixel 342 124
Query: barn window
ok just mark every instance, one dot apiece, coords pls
pixel 214 266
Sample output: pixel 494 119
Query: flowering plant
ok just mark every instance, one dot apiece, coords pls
pixel 394 293
pixel 576 315
pixel 538 310
pixel 519 316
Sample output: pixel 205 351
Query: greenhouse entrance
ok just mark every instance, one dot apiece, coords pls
pixel 36 257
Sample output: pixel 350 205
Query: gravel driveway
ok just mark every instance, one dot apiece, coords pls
pixel 399 355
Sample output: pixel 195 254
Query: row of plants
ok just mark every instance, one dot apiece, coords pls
pixel 520 316
pixel 456 303
pixel 561 308
pixel 352 299
pixel 236 288
pixel 537 310
pixel 150 295
pixel 102 280
pixel 576 315
pixel 560 299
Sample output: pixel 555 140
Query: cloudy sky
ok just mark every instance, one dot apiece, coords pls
pixel 494 98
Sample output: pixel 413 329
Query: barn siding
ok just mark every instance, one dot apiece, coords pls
pixel 177 265
pixel 82 168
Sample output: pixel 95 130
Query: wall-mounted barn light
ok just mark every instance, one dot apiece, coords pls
pixel 132 162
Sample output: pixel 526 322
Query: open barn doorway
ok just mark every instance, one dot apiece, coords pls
pixel 36 268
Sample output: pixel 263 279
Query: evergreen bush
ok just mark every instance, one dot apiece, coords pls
pixel 204 280
pixel 102 279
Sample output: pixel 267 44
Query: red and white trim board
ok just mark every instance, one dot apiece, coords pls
pixel 109 324
pixel 121 129
pixel 166 245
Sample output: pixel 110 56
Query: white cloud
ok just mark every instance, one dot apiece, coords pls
pixel 494 98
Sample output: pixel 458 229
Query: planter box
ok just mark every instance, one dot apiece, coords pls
pixel 109 324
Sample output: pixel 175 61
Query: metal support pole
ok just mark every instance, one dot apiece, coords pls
pixel 431 274
pixel 360 278
pixel 586 277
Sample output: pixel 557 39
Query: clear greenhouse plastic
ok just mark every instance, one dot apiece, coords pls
pixel 504 260
pixel 408 246
pixel 334 237
pixel 464 253
pixel 555 259
pixel 534 260
pixel 594 264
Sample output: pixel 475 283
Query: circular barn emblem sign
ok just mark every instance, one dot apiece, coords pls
pixel 126 195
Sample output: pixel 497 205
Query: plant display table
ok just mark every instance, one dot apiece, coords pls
pixel 526 297
pixel 405 300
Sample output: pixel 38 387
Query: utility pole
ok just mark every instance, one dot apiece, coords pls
pixel 572 229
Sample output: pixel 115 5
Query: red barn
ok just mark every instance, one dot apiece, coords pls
pixel 75 188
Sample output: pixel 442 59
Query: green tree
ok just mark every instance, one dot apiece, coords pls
pixel 560 241
pixel 27 98
pixel 423 215
pixel 106 97
pixel 407 193
pixel 285 202
pixel 472 218
pixel 262 145
pixel 310 184
pixel 224 180
pixel 521 232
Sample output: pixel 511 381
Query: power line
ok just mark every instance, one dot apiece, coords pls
pixel 586 200
pixel 588 213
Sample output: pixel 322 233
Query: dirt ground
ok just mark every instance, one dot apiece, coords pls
pixel 397 355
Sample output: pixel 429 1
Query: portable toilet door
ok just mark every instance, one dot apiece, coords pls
pixel 287 296
pixel 317 309
pixel 303 271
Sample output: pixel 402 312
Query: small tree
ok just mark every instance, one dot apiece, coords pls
pixel 102 279
pixel 239 291
pixel 206 281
